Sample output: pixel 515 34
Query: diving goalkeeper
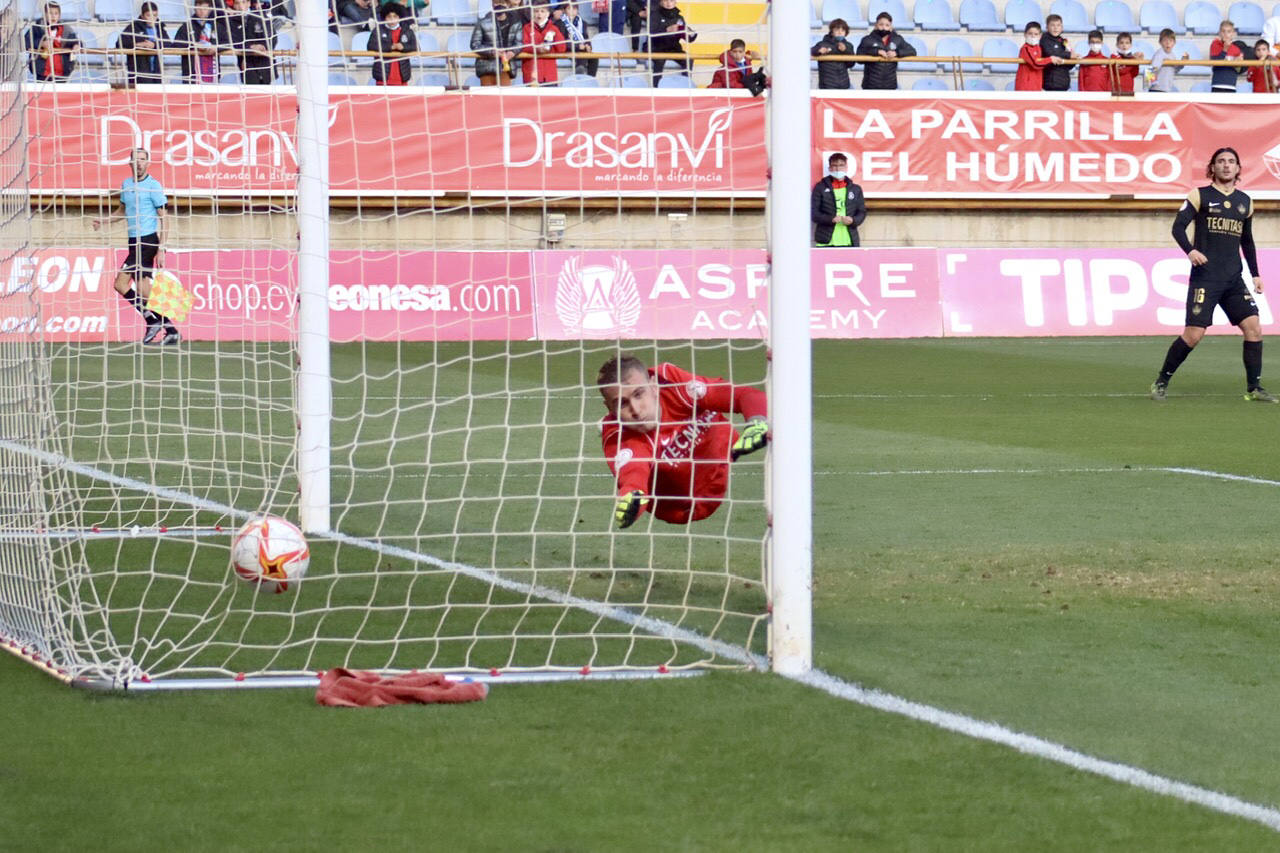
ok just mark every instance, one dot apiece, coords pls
pixel 666 439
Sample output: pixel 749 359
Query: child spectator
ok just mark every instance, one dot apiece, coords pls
pixel 1160 77
pixel 735 70
pixel 1095 78
pixel 143 33
pixel 245 32
pixel 1030 76
pixel 1224 76
pixel 1265 78
pixel 1123 76
pixel 543 39
pixel 496 39
pixel 199 36
pixel 834 75
pixel 1057 77
pixel 53 45
pixel 888 45
pixel 669 29
pixel 566 17
pixel 389 39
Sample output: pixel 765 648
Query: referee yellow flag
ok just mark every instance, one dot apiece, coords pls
pixel 169 297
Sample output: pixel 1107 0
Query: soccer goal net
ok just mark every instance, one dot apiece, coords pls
pixel 477 255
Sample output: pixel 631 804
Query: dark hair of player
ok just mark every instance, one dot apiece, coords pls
pixel 1208 170
pixel 613 371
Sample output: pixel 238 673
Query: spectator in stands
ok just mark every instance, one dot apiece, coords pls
pixel 1030 76
pixel 566 17
pixel 144 34
pixel 543 39
pixel 1271 31
pixel 357 14
pixel 612 15
pixel 1057 76
pixel 1161 75
pixel 199 36
pixel 889 46
pixel 393 37
pixel 638 22
pixel 836 206
pixel 1265 78
pixel 735 71
pixel 1123 76
pixel 246 33
pixel 53 45
pixel 834 75
pixel 496 39
pixel 669 30
pixel 1224 76
pixel 1095 78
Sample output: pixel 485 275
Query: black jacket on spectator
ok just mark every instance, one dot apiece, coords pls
pixel 490 35
pixel 662 41
pixel 881 75
pixel 381 41
pixel 39 63
pixel 636 23
pixel 1057 78
pixel 822 209
pixel 141 67
pixel 352 14
pixel 188 37
pixel 834 75
pixel 239 33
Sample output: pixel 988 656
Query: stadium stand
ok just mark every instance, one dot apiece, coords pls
pixel 953 46
pixel 1000 48
pixel 922 49
pixel 930 84
pixel 1114 16
pixel 113 10
pixel 582 81
pixel 901 21
pixel 359 42
pixel 676 81
pixel 453 13
pixel 1017 13
pixel 1193 51
pixel 1248 18
pixel 979 16
pixel 1157 15
pixel 427 42
pixel 1074 17
pixel 934 15
pixel 1202 18
pixel 460 42
pixel 977 84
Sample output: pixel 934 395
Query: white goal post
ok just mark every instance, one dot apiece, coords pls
pixel 409 376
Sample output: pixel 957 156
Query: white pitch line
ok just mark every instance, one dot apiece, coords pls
pixel 1218 475
pixel 887 702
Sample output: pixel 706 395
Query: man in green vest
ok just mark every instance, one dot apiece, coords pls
pixel 836 206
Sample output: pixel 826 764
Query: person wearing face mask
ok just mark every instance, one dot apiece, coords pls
pixel 496 40
pixel 1057 77
pixel 834 75
pixel 1095 78
pixel 836 206
pixel 393 38
pixel 889 46
pixel 1030 76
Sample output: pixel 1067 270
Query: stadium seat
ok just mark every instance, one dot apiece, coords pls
pixel 336 78
pixel 89 40
pixel 1244 87
pixel 922 49
pixel 1157 15
pixel 635 81
pixel 896 10
pixel 427 41
pixel 1074 17
pixel 1114 16
pixel 847 9
pixel 460 42
pixel 977 84
pixel 930 84
pixel 453 13
pixel 934 15
pixel 285 41
pixel 335 47
pixel 980 16
pixel 472 82
pixel 76 10
pixel 1146 48
pixel 359 42
pixel 1192 50
pixel 581 81
pixel 606 42
pixel 29 9
pixel 232 77
pixel 432 78
pixel 1248 18
pixel 172 11
pixel 1275 11
pixel 113 10
pixel 1019 13
pixel 1202 18
pixel 1202 86
pixel 675 81
pixel 1001 48
pixel 92 75
pixel 955 46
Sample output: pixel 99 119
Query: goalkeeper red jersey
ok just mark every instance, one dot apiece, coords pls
pixel 684 463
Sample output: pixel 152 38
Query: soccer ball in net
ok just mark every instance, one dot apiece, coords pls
pixel 270 551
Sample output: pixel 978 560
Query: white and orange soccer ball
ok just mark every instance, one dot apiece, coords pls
pixel 270 551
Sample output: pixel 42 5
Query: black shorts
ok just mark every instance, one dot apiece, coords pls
pixel 1233 296
pixel 141 260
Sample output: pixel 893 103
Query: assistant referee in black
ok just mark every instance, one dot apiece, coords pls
pixel 1223 217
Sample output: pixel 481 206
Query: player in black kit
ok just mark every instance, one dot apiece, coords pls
pixel 1223 216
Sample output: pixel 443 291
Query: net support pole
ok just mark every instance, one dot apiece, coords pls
pixel 314 386
pixel 791 464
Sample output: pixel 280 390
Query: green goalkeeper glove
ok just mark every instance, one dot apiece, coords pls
pixel 754 436
pixel 627 509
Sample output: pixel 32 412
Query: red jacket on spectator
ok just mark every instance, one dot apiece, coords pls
pixel 1095 78
pixel 1265 78
pixel 1122 76
pixel 1030 76
pixel 544 67
pixel 731 74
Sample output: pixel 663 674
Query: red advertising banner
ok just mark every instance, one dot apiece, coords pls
pixel 1032 145
pixel 216 142
pixel 561 295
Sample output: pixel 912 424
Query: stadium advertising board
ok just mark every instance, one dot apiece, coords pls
pixel 562 295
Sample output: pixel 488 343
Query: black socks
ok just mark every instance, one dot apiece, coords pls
pixel 1178 352
pixel 1253 363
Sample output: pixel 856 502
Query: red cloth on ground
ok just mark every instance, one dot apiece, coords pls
pixel 353 688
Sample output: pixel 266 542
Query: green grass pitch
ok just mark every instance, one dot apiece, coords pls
pixel 997 533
